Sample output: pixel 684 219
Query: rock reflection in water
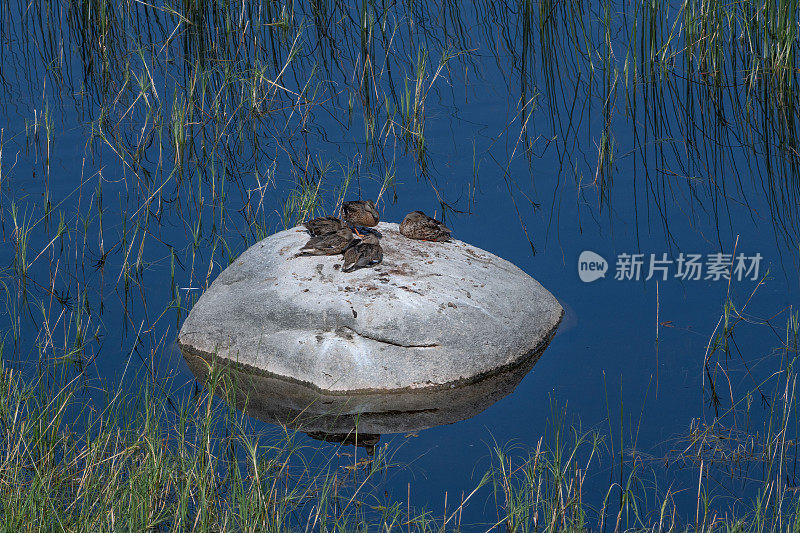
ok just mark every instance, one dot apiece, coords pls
pixel 361 419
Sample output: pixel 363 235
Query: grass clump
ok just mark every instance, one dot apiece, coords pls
pixel 142 463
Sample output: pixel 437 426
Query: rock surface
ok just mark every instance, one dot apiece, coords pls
pixel 432 315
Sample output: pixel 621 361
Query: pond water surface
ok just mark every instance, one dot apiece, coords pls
pixel 141 154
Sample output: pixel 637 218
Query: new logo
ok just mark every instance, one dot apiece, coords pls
pixel 591 266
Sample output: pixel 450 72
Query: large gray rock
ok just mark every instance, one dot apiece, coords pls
pixel 431 316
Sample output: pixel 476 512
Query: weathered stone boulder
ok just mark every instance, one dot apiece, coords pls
pixel 433 315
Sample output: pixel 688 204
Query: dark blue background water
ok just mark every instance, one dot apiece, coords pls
pixel 628 353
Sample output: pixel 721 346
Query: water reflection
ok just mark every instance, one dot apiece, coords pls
pixel 360 419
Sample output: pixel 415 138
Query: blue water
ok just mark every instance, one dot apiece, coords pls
pixel 628 353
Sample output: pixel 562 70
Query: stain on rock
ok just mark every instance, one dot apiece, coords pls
pixel 409 289
pixel 345 333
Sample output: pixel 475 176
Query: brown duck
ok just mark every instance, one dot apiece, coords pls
pixel 323 225
pixel 364 254
pixel 360 213
pixel 418 225
pixel 329 244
